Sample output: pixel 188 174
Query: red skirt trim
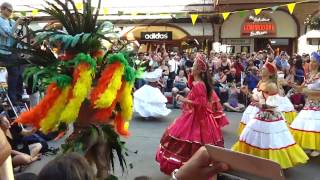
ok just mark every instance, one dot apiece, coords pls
pixel 267 148
pixel 304 130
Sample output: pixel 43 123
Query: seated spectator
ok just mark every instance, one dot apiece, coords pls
pixel 299 71
pixel 250 66
pixel 238 66
pixel 233 78
pixel 180 85
pixel 298 99
pixel 252 79
pixel 225 64
pixel 220 85
pixel 258 59
pixel 23 153
pixel 189 63
pixel 70 166
pixel 233 102
pixel 165 72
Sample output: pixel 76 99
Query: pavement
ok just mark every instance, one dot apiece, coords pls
pixel 146 134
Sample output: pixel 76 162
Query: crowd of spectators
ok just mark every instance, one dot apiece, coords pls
pixel 234 75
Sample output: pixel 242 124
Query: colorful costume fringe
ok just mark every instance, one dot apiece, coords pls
pixel 36 114
pixel 62 104
pixel 80 91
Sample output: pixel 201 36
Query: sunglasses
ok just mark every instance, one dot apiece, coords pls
pixel 10 10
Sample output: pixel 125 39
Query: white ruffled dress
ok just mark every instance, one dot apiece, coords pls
pixel 149 101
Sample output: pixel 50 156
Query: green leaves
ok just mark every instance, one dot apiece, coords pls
pixel 89 137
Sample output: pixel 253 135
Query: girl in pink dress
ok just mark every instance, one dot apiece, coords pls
pixel 199 123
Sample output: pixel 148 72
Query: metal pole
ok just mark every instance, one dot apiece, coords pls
pixel 9 100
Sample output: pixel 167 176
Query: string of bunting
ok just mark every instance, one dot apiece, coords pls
pixel 257 11
pixel 193 15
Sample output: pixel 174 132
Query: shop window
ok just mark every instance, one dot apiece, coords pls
pixel 231 49
pixel 313 41
pixel 278 42
pixel 245 49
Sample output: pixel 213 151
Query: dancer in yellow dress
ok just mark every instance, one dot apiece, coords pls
pixel 267 135
pixel 284 104
pixel 306 127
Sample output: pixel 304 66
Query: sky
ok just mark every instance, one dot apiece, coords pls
pixel 128 6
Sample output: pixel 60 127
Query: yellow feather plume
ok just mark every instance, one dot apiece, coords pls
pixel 51 121
pixel 107 97
pixel 126 102
pixel 80 92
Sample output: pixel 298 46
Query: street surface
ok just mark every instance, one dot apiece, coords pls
pixel 145 137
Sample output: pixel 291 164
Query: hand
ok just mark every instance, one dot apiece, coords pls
pixel 20 20
pixel 4 123
pixel 178 97
pixel 201 167
pixel 34 130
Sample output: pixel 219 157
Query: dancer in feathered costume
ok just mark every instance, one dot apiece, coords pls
pixel 85 86
pixel 267 134
pixel 196 126
pixel 306 127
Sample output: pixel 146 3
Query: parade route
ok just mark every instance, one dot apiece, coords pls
pixel 146 134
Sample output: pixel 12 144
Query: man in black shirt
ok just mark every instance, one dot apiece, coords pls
pixel 232 77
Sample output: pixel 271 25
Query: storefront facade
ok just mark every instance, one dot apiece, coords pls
pixel 252 33
pixel 176 36
pixel 284 31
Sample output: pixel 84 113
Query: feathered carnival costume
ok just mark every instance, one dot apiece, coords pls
pixel 88 85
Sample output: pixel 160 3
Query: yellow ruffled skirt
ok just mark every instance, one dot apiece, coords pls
pixel 287 157
pixel 240 128
pixel 307 139
pixel 289 116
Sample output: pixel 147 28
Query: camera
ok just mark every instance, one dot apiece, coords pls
pixel 26 20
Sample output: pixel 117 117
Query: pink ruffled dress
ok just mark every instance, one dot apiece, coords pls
pixel 199 124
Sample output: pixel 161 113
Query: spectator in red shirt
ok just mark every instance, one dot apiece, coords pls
pixel 238 66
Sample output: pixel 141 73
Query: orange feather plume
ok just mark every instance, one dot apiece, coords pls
pixel 36 114
pixel 104 80
pixel 120 125
pixel 102 115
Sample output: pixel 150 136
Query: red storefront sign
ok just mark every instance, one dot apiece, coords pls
pixel 258 26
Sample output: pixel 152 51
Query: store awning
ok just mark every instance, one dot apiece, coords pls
pixel 313 34
pixel 134 33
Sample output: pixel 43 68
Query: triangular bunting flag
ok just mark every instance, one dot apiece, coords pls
pixel 34 12
pixel 291 7
pixel 274 8
pixel 79 6
pixel 194 18
pixel 242 14
pixel 257 11
pixel 105 11
pixel 225 15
